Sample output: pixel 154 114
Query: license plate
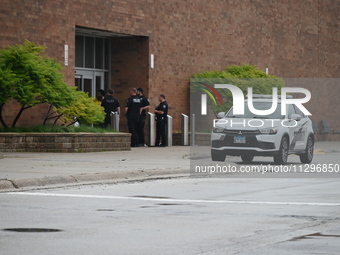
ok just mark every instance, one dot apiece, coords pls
pixel 239 139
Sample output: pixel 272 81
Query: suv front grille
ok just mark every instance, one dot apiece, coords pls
pixel 250 136
pixel 241 132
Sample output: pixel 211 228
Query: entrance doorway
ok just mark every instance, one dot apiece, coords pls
pixel 89 81
pixel 92 70
pixel 107 60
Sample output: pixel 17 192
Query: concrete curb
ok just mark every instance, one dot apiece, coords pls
pixel 6 185
pixel 106 177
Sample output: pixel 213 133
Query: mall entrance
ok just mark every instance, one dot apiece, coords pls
pixel 89 81
pixel 106 60
pixel 92 68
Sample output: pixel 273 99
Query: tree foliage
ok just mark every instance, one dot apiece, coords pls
pixel 83 108
pixel 28 76
pixel 241 76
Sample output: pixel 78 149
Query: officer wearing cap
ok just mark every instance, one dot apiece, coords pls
pixel 161 118
pixel 145 105
pixel 132 111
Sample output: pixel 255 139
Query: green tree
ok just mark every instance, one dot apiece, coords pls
pixel 31 78
pixel 83 108
pixel 242 76
pixel 7 82
pixel 28 76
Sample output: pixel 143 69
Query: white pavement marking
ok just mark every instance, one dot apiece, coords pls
pixel 173 200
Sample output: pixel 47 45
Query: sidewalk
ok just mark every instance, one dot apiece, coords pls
pixel 26 170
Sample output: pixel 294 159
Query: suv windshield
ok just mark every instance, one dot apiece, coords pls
pixel 258 106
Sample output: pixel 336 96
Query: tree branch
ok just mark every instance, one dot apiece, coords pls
pixel 1 118
pixel 57 118
pixel 47 115
pixel 19 114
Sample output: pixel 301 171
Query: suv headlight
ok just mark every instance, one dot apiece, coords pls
pixel 270 131
pixel 218 130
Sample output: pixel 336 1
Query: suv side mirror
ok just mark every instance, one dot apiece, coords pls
pixel 220 115
pixel 296 117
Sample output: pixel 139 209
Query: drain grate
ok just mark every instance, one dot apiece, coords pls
pixel 33 230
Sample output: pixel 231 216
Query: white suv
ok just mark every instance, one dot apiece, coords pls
pixel 252 135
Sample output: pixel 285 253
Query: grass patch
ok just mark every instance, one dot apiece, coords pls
pixel 57 129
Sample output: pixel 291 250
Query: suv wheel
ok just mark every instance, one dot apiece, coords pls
pixel 217 155
pixel 307 157
pixel 247 158
pixel 282 157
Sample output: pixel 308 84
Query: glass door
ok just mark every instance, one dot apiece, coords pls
pixel 84 82
pixel 99 79
pixel 78 82
pixel 88 86
pixel 92 63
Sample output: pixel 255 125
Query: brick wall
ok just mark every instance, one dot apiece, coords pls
pixel 66 142
pixel 293 38
pixel 130 62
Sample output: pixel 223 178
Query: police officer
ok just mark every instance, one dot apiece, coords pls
pixel 100 95
pixel 145 105
pixel 110 104
pixel 161 118
pixel 132 111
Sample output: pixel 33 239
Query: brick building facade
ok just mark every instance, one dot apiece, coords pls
pixel 293 38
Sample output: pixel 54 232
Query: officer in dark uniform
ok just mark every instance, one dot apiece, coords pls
pixel 161 118
pixel 132 110
pixel 110 104
pixel 145 105
pixel 100 95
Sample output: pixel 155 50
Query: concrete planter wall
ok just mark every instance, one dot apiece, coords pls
pixel 64 142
